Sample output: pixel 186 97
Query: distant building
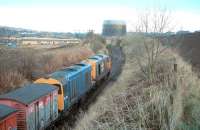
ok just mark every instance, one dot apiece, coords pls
pixel 45 41
pixel 114 28
pixel 35 41
pixel 12 45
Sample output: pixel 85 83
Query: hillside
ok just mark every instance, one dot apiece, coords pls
pixel 20 66
pixel 23 65
pixel 187 45
pixel 20 32
pixel 133 102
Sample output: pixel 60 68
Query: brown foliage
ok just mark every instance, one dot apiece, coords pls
pixel 20 65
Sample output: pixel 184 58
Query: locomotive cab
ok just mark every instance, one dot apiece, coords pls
pixel 93 67
pixel 56 83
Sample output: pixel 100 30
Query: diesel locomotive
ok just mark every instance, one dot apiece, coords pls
pixel 37 105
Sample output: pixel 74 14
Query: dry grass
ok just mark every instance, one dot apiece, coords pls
pixel 18 66
pixel 65 57
pixel 169 102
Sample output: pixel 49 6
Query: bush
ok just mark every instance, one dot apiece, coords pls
pixel 21 65
pixel 170 101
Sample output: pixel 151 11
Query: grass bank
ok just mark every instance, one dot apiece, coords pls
pixel 169 101
pixel 19 66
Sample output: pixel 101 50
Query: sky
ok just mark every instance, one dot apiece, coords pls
pixel 84 15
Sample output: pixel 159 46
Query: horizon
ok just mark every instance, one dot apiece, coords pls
pixel 81 16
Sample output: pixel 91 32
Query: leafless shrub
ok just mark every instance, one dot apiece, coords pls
pixel 21 65
pixel 95 41
pixel 10 79
pixel 144 105
pixel 63 58
pixel 170 101
pixel 16 67
pixel 151 25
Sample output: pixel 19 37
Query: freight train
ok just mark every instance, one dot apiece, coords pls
pixel 37 105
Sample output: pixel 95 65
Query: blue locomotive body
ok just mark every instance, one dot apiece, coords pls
pixel 76 81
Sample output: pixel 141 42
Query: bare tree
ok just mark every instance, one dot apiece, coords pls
pixel 152 23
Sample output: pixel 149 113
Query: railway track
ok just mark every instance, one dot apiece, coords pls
pixel 69 120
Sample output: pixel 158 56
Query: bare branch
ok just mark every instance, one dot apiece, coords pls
pixel 152 24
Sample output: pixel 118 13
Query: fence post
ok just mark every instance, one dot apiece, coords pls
pixel 174 82
pixel 175 75
pixel 175 67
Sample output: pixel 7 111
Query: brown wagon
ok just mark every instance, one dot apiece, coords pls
pixel 36 104
pixel 8 118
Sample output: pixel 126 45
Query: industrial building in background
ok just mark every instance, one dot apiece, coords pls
pixel 114 28
pixel 47 42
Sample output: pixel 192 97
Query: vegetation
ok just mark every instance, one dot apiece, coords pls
pixel 19 66
pixel 167 101
pixel 157 90
pixel 96 42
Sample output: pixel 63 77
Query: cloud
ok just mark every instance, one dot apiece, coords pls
pixel 82 19
pixel 186 20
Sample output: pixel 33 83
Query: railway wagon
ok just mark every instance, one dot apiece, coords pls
pixel 73 83
pixel 101 66
pixel 36 104
pixel 8 118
